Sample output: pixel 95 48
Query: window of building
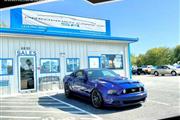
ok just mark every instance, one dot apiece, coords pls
pixel 72 64
pixel 6 66
pixel 50 65
pixel 94 62
pixel 112 61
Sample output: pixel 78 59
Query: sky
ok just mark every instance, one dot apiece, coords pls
pixel 155 22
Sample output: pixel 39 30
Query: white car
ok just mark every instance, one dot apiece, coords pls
pixel 166 69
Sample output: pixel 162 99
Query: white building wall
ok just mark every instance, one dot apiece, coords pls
pixel 62 48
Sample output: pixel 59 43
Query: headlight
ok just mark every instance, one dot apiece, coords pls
pixel 124 91
pixel 112 92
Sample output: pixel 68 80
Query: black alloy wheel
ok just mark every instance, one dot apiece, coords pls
pixel 96 99
pixel 67 90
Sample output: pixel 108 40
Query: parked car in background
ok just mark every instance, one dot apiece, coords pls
pixel 165 69
pixel 134 70
pixel 140 71
pixel 145 69
pixel 104 88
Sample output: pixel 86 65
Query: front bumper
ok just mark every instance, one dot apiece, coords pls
pixel 125 100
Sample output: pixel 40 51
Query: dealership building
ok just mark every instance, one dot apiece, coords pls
pixel 40 48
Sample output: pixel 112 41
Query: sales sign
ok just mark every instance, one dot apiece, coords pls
pixel 26 53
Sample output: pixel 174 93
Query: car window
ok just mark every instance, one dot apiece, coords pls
pixel 107 73
pixel 165 67
pixel 95 74
pixel 159 67
pixel 79 73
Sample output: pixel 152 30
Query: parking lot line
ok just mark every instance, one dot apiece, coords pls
pixel 28 104
pixel 158 102
pixel 97 117
pixel 157 89
pixel 19 117
pixel 25 100
pixel 33 106
pixel 32 103
pixel 42 111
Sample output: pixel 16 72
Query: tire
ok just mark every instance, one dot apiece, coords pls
pixel 173 73
pixel 144 72
pixel 156 73
pixel 139 73
pixel 67 91
pixel 96 99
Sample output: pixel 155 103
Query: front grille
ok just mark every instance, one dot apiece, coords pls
pixel 133 90
pixel 133 101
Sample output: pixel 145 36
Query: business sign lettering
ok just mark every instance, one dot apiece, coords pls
pixel 53 22
pixel 62 21
pixel 26 53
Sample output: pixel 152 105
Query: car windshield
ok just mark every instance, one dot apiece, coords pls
pixel 171 67
pixel 95 74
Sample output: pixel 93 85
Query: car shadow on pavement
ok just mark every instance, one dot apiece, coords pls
pixel 83 104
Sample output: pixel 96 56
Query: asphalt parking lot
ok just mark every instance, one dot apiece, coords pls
pixel 163 102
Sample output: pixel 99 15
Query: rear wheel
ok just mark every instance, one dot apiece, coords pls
pixel 156 73
pixel 173 73
pixel 96 99
pixel 139 73
pixel 67 91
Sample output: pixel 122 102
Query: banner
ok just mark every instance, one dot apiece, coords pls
pixel 23 18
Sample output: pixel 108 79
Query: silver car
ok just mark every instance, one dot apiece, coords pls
pixel 165 69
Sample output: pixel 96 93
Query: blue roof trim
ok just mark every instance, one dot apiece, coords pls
pixel 60 34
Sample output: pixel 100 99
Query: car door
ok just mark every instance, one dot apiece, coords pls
pixel 77 83
pixel 164 70
pixel 168 70
pixel 160 69
pixel 86 85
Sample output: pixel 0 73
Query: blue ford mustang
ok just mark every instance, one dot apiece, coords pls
pixel 104 88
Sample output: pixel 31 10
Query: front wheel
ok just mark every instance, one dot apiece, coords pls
pixel 156 73
pixel 96 99
pixel 67 91
pixel 173 73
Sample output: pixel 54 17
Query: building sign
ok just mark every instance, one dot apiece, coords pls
pixel 30 19
pixel 61 21
pixel 26 53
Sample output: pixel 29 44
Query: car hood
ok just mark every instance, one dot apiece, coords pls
pixel 117 80
pixel 120 82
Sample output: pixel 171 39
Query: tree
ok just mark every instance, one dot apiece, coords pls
pixel 176 54
pixel 158 56
pixel 140 60
pixel 133 60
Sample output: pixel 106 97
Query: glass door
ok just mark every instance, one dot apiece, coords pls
pixel 27 73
